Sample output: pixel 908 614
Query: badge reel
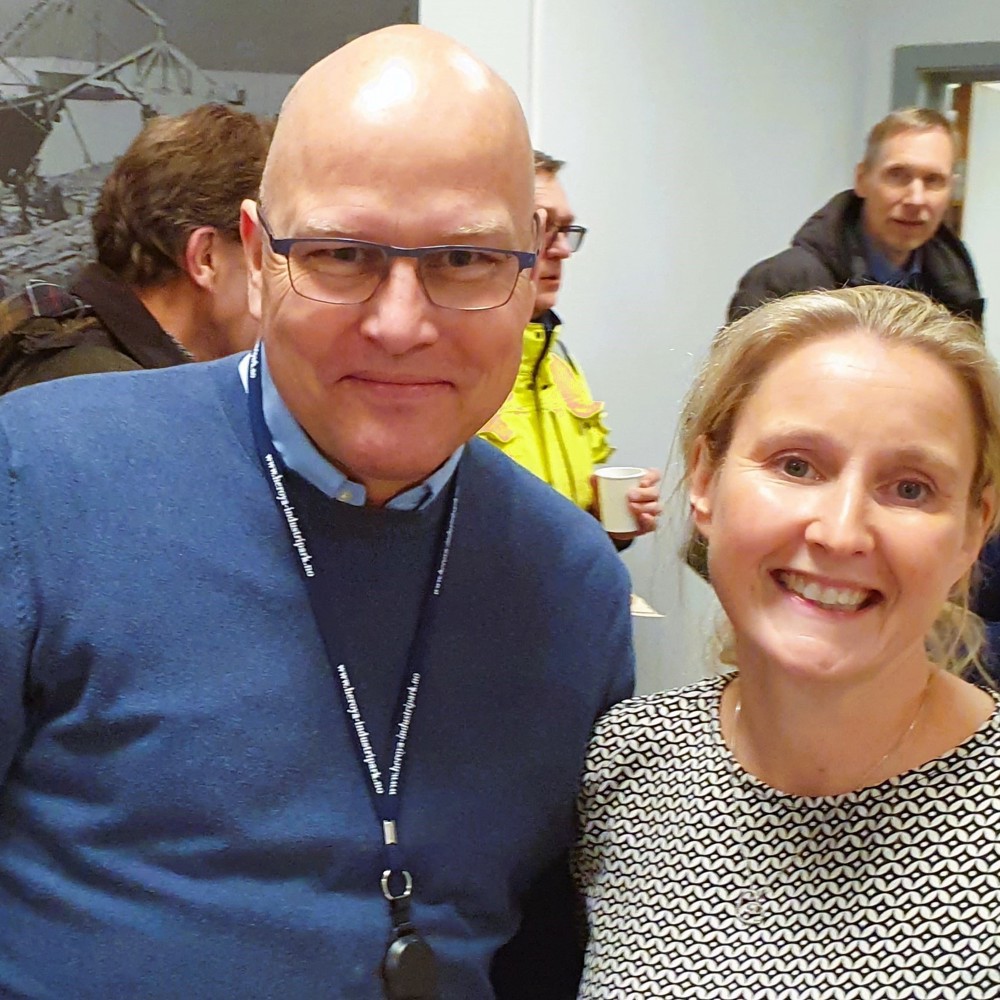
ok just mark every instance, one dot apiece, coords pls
pixel 409 970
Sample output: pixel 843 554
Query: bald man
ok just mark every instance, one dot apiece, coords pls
pixel 296 675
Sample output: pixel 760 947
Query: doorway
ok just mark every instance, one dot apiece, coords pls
pixel 963 82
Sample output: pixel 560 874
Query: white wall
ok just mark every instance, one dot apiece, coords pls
pixel 981 214
pixel 501 35
pixel 699 135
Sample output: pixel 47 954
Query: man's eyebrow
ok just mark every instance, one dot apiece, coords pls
pixel 321 227
pixel 486 227
pixel 324 228
pixel 553 216
pixel 915 168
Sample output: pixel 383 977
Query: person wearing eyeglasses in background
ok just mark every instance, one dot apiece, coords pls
pixel 550 423
pixel 262 732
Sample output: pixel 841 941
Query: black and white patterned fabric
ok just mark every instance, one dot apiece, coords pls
pixel 701 881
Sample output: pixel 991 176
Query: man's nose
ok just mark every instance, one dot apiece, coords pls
pixel 841 520
pixel 398 315
pixel 916 192
pixel 559 247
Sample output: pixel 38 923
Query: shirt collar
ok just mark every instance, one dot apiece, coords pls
pixel 884 272
pixel 547 320
pixel 303 457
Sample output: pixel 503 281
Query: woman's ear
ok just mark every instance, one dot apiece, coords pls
pixel 981 516
pixel 985 512
pixel 700 488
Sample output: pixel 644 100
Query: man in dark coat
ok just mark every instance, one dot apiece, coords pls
pixel 888 230
pixel 169 284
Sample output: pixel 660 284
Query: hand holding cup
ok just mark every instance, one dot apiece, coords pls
pixel 627 499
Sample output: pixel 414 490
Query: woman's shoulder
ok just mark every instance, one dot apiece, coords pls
pixel 653 740
pixel 692 698
pixel 668 715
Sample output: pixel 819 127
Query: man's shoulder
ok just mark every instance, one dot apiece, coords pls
pixel 795 265
pixel 119 406
pixel 947 260
pixel 512 482
pixel 818 258
pixel 520 504
pixel 794 269
pixel 543 559
pixel 41 300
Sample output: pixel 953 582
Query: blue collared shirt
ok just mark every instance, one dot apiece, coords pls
pixel 302 456
pixel 885 273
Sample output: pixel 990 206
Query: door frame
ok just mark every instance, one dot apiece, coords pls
pixel 920 73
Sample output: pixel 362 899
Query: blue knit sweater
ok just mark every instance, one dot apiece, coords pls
pixel 182 813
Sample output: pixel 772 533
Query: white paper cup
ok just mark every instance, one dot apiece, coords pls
pixel 613 484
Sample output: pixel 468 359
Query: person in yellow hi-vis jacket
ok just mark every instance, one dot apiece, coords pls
pixel 550 423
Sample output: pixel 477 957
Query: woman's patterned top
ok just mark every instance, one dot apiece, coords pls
pixel 701 881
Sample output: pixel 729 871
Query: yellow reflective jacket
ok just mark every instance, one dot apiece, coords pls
pixel 550 423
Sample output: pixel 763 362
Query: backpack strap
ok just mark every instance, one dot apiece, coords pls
pixel 40 323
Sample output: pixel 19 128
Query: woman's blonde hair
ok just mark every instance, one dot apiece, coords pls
pixel 742 352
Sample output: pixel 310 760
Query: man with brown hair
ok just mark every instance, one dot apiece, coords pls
pixel 169 281
pixel 889 230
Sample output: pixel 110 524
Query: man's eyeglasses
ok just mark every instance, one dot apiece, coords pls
pixel 573 235
pixel 347 272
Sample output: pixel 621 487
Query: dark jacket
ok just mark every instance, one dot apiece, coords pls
pixel 827 252
pixel 986 603
pixel 95 325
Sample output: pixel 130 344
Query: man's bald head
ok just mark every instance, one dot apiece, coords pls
pixel 404 93
pixel 401 139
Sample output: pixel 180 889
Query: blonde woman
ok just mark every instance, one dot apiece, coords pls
pixel 822 820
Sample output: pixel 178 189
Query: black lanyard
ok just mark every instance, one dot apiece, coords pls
pixel 408 969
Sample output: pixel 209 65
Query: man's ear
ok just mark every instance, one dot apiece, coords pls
pixel 538 239
pixel 701 486
pixel 253 250
pixel 199 261
pixel 861 180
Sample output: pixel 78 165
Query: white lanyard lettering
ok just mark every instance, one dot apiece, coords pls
pixel 385 795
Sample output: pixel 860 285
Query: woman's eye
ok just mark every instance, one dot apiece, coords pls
pixel 797 468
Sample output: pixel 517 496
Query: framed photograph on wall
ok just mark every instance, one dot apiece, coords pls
pixel 79 77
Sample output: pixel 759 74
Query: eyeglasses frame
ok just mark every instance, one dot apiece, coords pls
pixel 551 235
pixel 283 248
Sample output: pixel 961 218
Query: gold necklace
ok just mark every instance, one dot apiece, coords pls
pixel 752 900
pixel 900 739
